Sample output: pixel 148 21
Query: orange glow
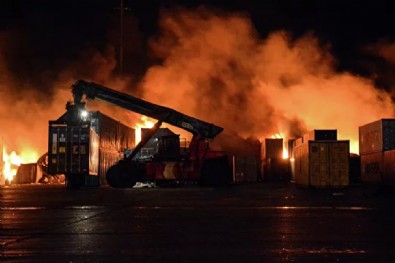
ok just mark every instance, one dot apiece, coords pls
pixel 12 161
pixel 285 143
pixel 145 123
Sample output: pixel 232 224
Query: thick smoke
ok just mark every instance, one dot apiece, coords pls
pixel 216 68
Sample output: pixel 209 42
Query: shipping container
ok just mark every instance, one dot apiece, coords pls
pixel 322 164
pixel 27 174
pixel 245 169
pixel 372 167
pixel 272 148
pixel 163 145
pixel 377 136
pixel 85 152
pixel 320 135
pixel 378 167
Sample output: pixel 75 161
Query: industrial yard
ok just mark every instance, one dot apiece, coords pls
pixel 264 222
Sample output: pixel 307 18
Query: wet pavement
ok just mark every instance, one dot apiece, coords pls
pixel 265 222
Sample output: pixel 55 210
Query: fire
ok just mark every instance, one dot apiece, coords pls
pixel 12 161
pixel 145 123
pixel 285 143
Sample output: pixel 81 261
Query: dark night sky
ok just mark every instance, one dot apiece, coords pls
pixel 46 34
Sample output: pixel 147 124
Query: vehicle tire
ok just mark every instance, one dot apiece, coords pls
pixel 124 174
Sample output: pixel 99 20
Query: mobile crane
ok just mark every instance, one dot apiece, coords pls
pixel 200 163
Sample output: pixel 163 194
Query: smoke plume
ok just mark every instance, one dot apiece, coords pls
pixel 215 67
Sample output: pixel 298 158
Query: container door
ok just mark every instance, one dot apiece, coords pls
pixel 78 150
pixel 319 168
pixel 372 167
pixel 57 156
pixel 338 163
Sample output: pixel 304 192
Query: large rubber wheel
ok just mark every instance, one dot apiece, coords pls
pixel 216 172
pixel 124 174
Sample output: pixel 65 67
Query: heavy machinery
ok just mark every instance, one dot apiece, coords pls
pixel 198 163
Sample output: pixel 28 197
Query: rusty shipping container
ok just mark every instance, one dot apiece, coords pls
pixel 320 135
pixel 85 152
pixel 322 164
pixel 378 167
pixel 377 136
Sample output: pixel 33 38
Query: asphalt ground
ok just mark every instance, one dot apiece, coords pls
pixel 262 222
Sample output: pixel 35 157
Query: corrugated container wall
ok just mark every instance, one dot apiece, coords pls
pixel 74 150
pixel 378 167
pixel 322 163
pixel 246 168
pixel 377 136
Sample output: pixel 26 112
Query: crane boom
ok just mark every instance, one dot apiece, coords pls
pixel 96 91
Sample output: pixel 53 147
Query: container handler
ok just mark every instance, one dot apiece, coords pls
pixel 199 163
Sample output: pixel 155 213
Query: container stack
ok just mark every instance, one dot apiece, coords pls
pixel 377 151
pixel 320 160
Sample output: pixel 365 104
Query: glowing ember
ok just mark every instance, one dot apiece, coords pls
pixel 12 161
pixel 285 143
pixel 145 123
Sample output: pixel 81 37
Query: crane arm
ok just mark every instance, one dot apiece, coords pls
pixel 164 114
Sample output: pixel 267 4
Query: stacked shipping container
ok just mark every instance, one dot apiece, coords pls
pixel 377 151
pixel 320 160
pixel 85 152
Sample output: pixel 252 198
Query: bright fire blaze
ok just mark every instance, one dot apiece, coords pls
pixel 12 161
pixel 145 123
pixel 285 144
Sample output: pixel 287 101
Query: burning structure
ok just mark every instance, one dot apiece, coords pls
pixel 253 83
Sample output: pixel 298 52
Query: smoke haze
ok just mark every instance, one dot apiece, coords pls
pixel 216 68
pixel 213 66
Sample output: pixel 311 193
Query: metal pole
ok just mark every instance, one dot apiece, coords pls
pixel 121 40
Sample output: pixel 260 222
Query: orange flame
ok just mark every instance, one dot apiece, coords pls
pixel 285 143
pixel 12 161
pixel 145 123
